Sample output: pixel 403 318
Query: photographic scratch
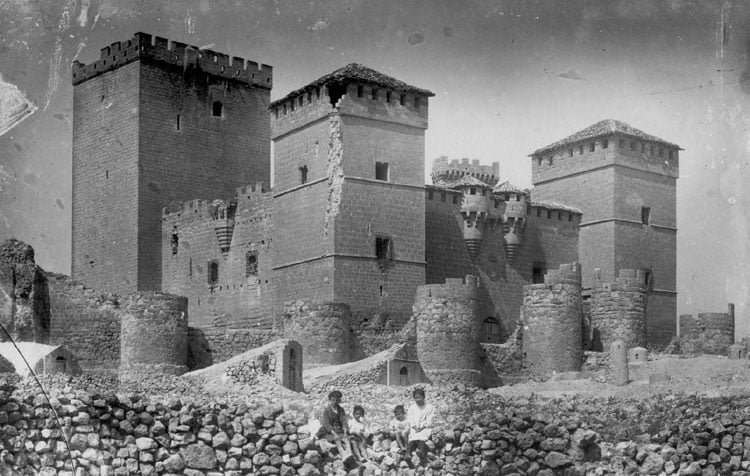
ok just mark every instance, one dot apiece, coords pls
pixel 54 67
pixel 83 17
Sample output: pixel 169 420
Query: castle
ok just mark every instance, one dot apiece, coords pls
pixel 171 172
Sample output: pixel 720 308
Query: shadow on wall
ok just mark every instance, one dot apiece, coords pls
pixel 199 350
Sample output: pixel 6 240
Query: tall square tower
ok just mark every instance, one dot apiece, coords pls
pixel 624 181
pixel 155 122
pixel 349 192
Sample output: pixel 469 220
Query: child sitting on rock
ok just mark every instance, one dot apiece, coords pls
pixel 420 417
pixel 333 425
pixel 358 431
pixel 400 427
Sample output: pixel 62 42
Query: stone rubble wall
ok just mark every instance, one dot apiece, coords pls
pixel 552 320
pixel 707 333
pixel 617 311
pixel 220 342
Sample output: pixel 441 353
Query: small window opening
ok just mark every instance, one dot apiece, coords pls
pixel 177 123
pixel 539 161
pixel 218 108
pixel 442 197
pixel 360 91
pixel 592 147
pixel 381 171
pixel 301 101
pixel 580 150
pixel 213 272
pixel 251 263
pixel 303 174
pixel 539 212
pixel 403 377
pixel 537 272
pixel 455 198
pixel 106 174
pixel 518 198
pixel 175 242
pixel 570 217
pixel 491 330
pixel 374 93
pixel 496 202
pixel 484 192
pixel 402 99
pixel 605 143
pixel 549 214
pixel 383 252
pixel 190 267
pixel 648 276
pixel 645 215
pixel 387 96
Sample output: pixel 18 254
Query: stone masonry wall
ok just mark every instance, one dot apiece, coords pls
pixel 87 323
pixel 551 317
pixel 448 331
pixel 219 341
pixel 153 338
pixel 707 333
pixel 322 329
pixel 617 311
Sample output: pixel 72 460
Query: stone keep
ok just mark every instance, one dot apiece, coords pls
pixel 153 336
pixel 448 331
pixel 551 316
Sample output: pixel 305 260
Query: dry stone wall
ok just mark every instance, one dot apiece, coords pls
pixel 153 338
pixel 707 333
pixel 617 310
pixel 448 331
pixel 551 317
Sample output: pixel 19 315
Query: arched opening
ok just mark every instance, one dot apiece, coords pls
pixel 251 263
pixel 403 376
pixel 292 370
pixel 60 364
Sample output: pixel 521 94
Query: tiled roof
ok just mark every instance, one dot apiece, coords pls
pixel 356 73
pixel 507 187
pixel 556 206
pixel 604 128
pixel 464 181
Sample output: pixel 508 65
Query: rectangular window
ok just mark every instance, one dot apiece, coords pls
pixel 539 212
pixel 455 198
pixel 213 272
pixel 472 191
pixel 592 146
pixel 303 174
pixel 605 143
pixel 549 214
pixel 645 215
pixel 177 123
pixel 442 197
pixel 383 250
pixel 537 272
pixel 381 171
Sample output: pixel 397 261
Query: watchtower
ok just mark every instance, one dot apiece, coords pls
pixel 156 121
pixel 349 192
pixel 624 181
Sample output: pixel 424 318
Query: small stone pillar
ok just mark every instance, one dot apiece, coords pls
pixel 619 363
pixel 289 365
pixel 637 359
pixel 737 352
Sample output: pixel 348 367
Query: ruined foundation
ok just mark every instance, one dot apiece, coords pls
pixel 707 333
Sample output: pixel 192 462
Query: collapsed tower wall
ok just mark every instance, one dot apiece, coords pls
pixel 154 335
pixel 448 331
pixel 551 316
pixel 708 332
pixel 617 310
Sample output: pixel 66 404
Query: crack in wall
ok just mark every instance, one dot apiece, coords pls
pixel 335 171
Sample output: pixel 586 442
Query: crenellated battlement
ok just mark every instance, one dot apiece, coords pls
pixel 455 169
pixel 565 274
pixel 632 280
pixel 197 207
pixel 145 47
pixel 257 188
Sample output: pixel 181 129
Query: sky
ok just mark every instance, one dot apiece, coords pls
pixel 508 76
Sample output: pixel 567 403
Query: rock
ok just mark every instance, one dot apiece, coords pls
pixel 199 456
pixel 555 459
pixel 145 444
pixel 174 463
pixel 652 464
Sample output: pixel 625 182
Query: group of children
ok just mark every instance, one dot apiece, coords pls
pixel 411 428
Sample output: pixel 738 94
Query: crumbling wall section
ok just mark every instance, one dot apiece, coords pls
pixel 707 333
pixel 448 331
pixel 154 335
pixel 87 323
pixel 551 316
pixel 322 329
pixel 617 310
pixel 220 341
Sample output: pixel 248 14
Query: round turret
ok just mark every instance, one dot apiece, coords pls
pixel 321 328
pixel 477 208
pixel 514 216
pixel 153 335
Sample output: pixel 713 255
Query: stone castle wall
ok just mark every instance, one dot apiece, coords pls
pixel 86 322
pixel 617 311
pixel 154 335
pixel 551 316
pixel 448 327
pixel 707 333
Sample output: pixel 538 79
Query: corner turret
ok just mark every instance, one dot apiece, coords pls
pixel 514 216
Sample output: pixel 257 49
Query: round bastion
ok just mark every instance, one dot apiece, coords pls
pixel 618 310
pixel 153 341
pixel 551 315
pixel 448 331
pixel 322 329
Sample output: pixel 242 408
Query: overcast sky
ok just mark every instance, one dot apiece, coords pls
pixel 509 77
